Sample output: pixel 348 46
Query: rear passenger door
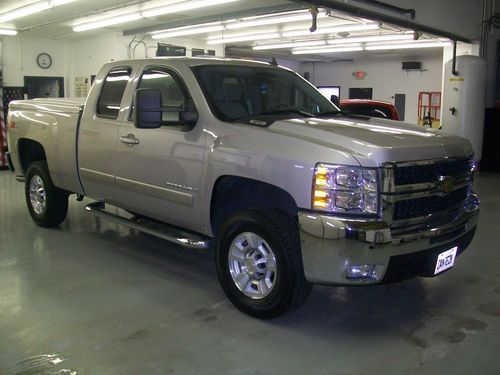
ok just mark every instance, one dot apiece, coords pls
pixel 98 134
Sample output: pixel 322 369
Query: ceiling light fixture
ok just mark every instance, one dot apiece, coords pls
pixel 423 44
pixel 373 38
pixel 243 38
pixel 273 19
pixel 333 30
pixel 189 30
pixel 56 3
pixel 8 32
pixel 24 11
pixel 326 50
pixel 309 43
pixel 183 6
pixel 27 10
pixel 106 22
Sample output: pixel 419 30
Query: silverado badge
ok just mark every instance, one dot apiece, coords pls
pixel 447 184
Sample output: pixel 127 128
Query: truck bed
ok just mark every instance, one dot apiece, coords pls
pixel 61 105
pixel 52 122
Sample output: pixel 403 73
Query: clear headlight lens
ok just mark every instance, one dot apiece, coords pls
pixel 345 189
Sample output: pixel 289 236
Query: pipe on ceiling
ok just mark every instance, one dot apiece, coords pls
pixel 376 16
pixel 390 7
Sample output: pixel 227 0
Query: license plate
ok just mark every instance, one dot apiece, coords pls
pixel 445 260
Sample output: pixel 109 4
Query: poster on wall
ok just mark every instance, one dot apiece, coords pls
pixel 81 87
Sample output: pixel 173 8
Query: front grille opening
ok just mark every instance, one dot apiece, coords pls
pixel 418 207
pixel 417 174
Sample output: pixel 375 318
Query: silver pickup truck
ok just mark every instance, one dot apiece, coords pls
pixel 252 159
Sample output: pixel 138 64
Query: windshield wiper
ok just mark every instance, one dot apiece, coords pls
pixel 286 111
pixel 330 113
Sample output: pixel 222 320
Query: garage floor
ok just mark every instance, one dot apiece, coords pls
pixel 94 297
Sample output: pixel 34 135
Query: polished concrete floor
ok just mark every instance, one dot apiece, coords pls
pixel 92 297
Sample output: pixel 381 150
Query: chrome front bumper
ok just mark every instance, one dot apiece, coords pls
pixel 331 244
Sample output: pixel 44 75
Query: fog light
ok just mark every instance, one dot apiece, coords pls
pixel 362 271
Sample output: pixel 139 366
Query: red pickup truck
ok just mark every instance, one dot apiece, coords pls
pixel 368 107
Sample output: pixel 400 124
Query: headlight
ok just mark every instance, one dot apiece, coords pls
pixel 345 189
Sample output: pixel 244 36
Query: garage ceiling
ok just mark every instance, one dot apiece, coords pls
pixel 257 28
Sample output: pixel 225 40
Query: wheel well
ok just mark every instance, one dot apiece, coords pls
pixel 232 194
pixel 30 151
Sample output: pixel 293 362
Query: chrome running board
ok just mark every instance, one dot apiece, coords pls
pixel 154 228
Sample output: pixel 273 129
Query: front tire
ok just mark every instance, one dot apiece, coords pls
pixel 259 263
pixel 47 204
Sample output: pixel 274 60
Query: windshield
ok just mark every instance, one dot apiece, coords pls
pixel 238 92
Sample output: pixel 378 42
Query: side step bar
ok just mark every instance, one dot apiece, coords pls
pixel 164 231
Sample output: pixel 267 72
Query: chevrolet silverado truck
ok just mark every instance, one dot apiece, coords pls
pixel 250 159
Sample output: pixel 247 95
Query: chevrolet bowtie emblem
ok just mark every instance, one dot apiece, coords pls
pixel 446 184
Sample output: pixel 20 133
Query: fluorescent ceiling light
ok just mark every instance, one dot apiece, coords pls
pixel 309 43
pixel 8 32
pixel 106 22
pixel 183 6
pixel 39 6
pixel 56 3
pixel 187 30
pixel 24 11
pixel 243 38
pixel 333 30
pixel 272 20
pixel 373 38
pixel 407 46
pixel 326 50
pixel 243 34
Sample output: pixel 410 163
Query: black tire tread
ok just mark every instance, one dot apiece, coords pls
pixel 286 229
pixel 57 199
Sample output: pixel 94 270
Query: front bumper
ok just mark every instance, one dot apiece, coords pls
pixel 331 244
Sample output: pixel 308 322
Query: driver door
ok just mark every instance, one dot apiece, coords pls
pixel 160 170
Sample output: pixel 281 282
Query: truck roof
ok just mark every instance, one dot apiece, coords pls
pixel 195 61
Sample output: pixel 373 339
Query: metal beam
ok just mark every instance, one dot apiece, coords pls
pixel 376 16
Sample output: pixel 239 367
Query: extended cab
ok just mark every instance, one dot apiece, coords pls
pixel 252 158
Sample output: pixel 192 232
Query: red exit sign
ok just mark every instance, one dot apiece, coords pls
pixel 359 74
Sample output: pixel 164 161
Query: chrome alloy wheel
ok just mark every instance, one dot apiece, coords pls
pixel 38 198
pixel 252 265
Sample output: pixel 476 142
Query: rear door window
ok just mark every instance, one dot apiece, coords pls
pixel 108 104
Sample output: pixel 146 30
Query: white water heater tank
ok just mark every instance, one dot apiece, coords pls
pixel 463 104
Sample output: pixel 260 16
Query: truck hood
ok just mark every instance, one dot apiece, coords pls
pixel 373 141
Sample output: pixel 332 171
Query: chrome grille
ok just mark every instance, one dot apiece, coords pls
pixel 411 208
pixel 425 194
pixel 417 174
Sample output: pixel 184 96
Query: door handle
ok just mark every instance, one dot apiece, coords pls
pixel 129 139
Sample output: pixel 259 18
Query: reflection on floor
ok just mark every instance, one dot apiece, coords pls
pixel 93 297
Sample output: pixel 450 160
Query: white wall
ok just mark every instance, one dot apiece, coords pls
pixel 384 75
pixel 19 59
pixel 73 58
pixel 89 54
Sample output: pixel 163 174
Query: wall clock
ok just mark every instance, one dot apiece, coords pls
pixel 44 60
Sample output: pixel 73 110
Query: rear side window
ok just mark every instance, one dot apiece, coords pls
pixel 112 91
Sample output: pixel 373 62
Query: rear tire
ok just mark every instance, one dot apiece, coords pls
pixel 47 204
pixel 259 263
